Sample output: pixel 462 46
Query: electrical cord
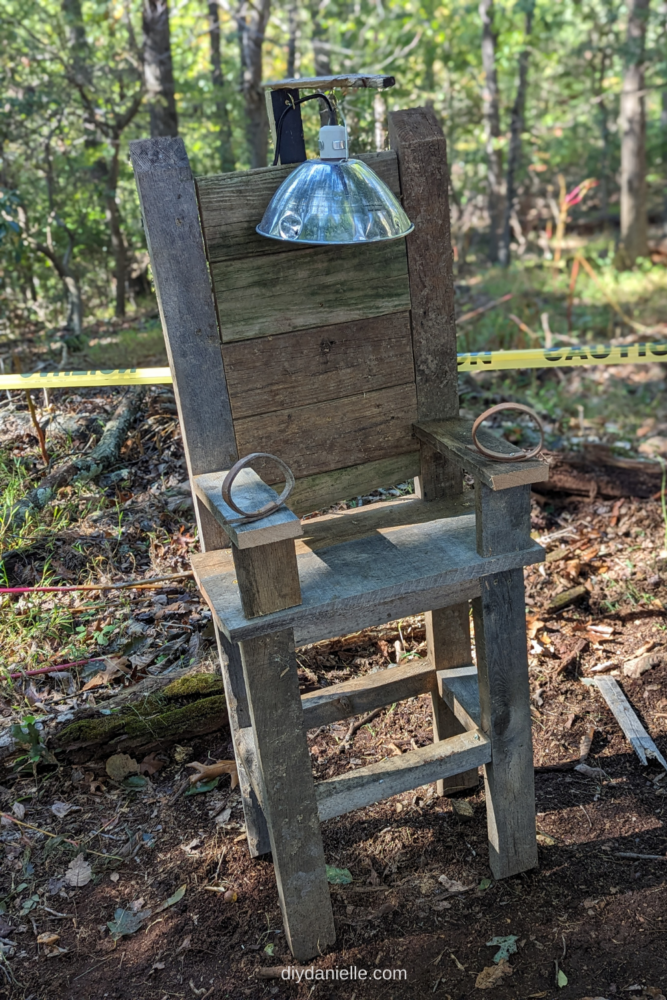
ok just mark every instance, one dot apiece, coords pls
pixel 292 107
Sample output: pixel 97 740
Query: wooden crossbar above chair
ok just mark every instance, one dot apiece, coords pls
pixel 342 362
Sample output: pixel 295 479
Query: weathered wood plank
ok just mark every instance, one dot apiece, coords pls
pixel 348 81
pixel 365 582
pixel 274 293
pixel 459 688
pixel 624 714
pixel 311 366
pixel 314 493
pixel 174 238
pixel 503 519
pixel 422 158
pixel 288 792
pixel 233 204
pixel 387 516
pixel 267 578
pixel 504 698
pixel 175 245
pixel 366 785
pixel 363 694
pixel 455 437
pixel 334 434
pixel 250 493
pixel 448 643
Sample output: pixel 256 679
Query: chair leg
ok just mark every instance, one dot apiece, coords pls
pixel 239 718
pixel 448 640
pixel 288 792
pixel 504 695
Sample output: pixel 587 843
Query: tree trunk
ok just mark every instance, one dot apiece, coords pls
pixel 115 231
pixel 632 126
pixel 516 128
pixel 252 22
pixel 293 31
pixel 75 36
pixel 158 70
pixel 380 117
pixel 491 104
pixel 321 50
pixel 221 113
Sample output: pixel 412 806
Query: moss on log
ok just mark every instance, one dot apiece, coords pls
pixel 154 721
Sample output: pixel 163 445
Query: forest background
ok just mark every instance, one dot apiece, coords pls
pixel 534 97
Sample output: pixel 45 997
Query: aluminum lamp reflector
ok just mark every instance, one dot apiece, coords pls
pixel 333 202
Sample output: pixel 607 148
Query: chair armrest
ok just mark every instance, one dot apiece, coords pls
pixel 250 493
pixel 453 438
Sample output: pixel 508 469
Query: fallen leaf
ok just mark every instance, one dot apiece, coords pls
pixel 18 810
pixel 463 808
pixel 451 885
pixel 203 786
pixel 184 945
pixel 53 951
pixel 591 772
pixel 48 937
pixel 206 771
pixel 135 781
pixel 506 947
pixel 338 876
pixel 492 975
pixel 562 979
pixel 640 664
pixel 60 809
pixel 114 876
pixel 585 744
pixel 173 899
pixel 223 817
pixel 78 872
pixel 120 765
pixel 150 764
pixel 126 922
pixel 114 665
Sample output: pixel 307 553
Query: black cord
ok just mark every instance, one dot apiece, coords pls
pixel 333 120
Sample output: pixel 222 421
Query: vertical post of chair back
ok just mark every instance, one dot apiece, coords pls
pixel 183 288
pixel 422 157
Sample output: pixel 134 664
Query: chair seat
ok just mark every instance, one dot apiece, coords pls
pixel 364 567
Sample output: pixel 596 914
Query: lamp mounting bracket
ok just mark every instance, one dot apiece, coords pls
pixel 280 93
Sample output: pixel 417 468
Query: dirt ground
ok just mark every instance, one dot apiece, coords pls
pixel 588 922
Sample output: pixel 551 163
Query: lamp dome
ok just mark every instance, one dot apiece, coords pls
pixel 325 202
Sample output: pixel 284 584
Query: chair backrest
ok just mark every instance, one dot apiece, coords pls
pixel 327 355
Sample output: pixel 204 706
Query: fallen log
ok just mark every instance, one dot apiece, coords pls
pixel 597 472
pixel 103 455
pixel 187 707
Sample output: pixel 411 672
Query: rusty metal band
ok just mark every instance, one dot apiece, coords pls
pixel 269 508
pixel 517 456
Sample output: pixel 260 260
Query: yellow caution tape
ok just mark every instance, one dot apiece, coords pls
pixel 73 380
pixel 563 357
pixel 533 357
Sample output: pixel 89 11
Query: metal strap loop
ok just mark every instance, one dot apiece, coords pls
pixel 269 508
pixel 517 456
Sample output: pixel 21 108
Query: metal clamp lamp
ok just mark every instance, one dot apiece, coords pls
pixel 333 200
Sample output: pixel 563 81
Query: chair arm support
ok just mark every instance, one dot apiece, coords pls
pixel 250 493
pixel 453 438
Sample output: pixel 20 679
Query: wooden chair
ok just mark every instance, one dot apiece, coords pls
pixel 342 362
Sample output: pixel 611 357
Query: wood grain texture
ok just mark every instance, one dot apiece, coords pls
pixel 366 785
pixel 274 293
pixel 174 239
pixel 311 366
pixel 503 519
pixel 439 475
pixel 422 158
pixel 448 644
pixel 365 582
pixel 455 437
pixel 187 311
pixel 334 434
pixel 459 688
pixel 624 714
pixel 504 698
pixel 233 204
pixel 363 694
pixel 267 578
pixel 313 493
pixel 288 793
pixel 249 493
pixel 360 522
